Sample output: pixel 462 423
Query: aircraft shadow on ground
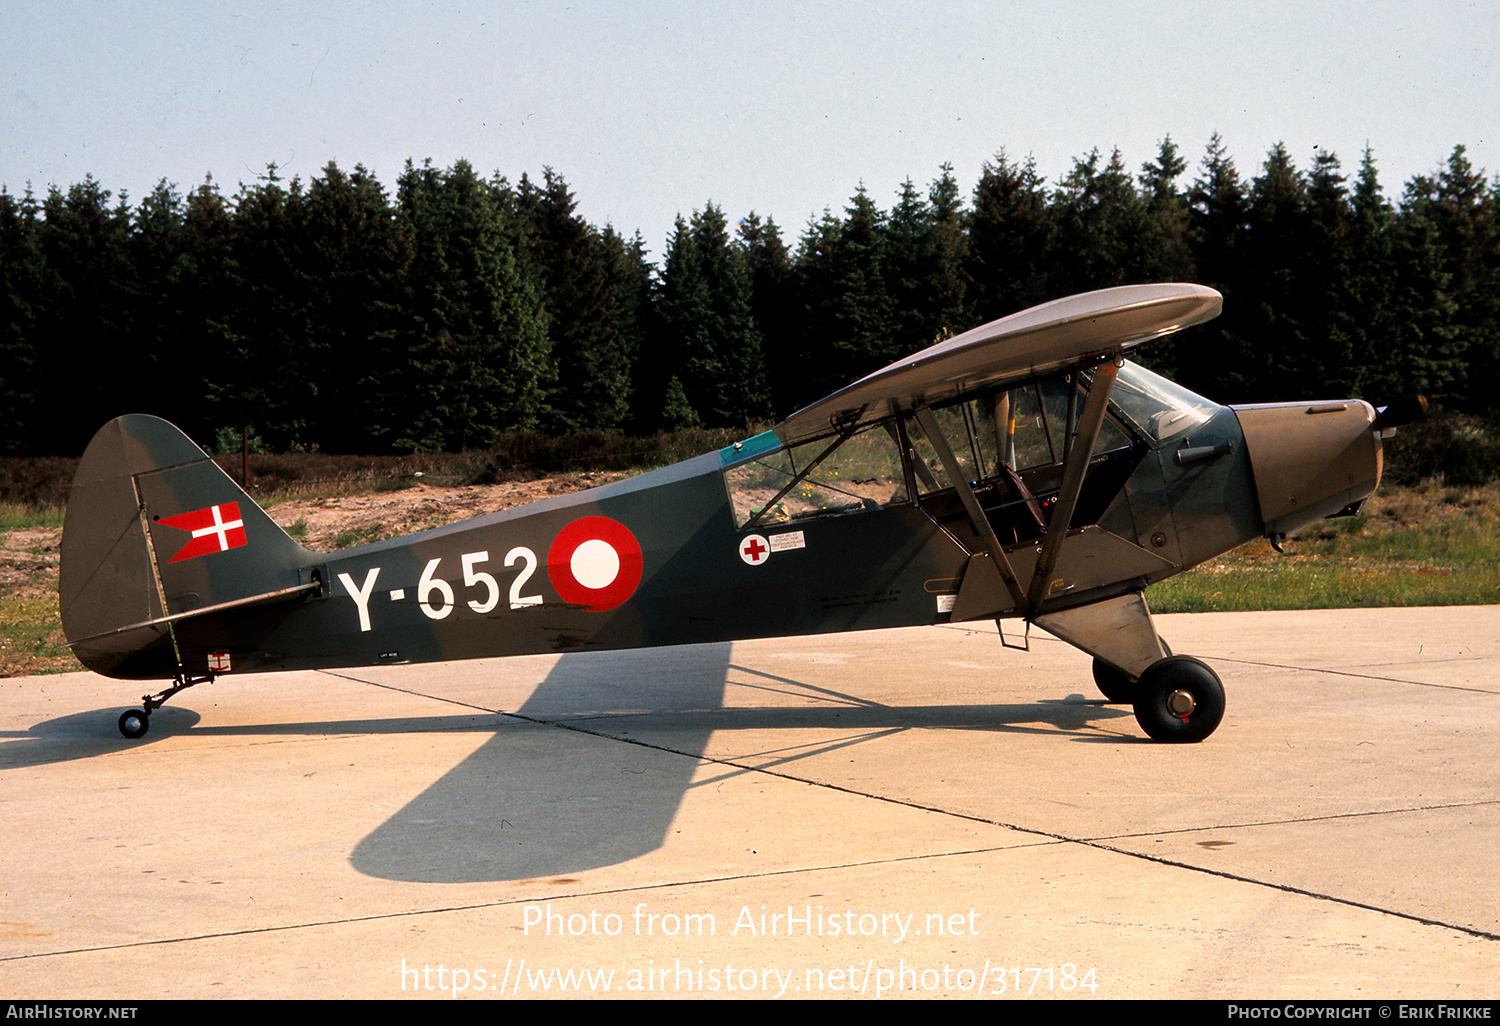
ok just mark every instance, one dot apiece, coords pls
pixel 545 802
pixel 538 801
pixel 83 735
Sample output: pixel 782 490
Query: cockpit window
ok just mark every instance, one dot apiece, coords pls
pixel 1161 409
pixel 1024 428
pixel 819 478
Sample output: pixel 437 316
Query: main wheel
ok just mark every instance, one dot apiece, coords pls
pixel 1112 683
pixel 133 723
pixel 1179 699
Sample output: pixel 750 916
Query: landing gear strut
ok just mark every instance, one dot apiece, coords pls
pixel 1114 684
pixel 135 722
pixel 1176 698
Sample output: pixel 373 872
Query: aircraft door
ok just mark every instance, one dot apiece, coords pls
pixel 1011 445
pixel 1151 509
pixel 979 433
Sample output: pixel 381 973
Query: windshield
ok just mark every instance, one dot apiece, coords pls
pixel 1161 409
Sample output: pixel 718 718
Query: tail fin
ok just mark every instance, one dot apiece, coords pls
pixel 157 534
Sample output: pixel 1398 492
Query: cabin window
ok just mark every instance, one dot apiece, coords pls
pixel 973 430
pixel 1023 428
pixel 825 477
pixel 1037 424
pixel 1011 445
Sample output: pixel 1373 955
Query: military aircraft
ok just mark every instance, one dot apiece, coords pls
pixel 1023 469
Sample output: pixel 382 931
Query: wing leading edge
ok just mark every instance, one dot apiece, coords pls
pixel 1035 341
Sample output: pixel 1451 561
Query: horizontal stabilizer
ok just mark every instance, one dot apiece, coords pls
pixel 253 600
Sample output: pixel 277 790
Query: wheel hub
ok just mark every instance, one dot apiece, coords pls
pixel 1181 703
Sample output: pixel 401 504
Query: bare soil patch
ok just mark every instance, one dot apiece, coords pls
pixel 331 523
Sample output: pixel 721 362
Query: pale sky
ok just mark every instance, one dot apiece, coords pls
pixel 650 109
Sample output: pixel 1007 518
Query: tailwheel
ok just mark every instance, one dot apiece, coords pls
pixel 1113 684
pixel 1179 699
pixel 134 723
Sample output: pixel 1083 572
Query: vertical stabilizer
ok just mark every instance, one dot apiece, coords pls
pixel 156 532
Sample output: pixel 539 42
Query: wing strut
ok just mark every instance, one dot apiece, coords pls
pixel 1079 448
pixel 971 505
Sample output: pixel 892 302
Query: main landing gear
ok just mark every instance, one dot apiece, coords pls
pixel 135 722
pixel 1176 699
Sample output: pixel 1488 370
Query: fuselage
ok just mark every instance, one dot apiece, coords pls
pixel 842 533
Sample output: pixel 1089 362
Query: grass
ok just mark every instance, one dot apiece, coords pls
pixel 1427 546
pixel 354 536
pixel 21 516
pixel 31 637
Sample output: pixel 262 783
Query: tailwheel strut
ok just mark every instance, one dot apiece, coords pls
pixel 135 722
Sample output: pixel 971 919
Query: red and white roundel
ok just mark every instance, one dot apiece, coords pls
pixel 595 562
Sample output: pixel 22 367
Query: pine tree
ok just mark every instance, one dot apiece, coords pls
pixel 774 306
pixel 205 301
pixel 907 266
pixel 949 305
pixel 1010 240
pixel 1464 212
pixel 1276 321
pixel 1211 359
pixel 708 338
pixel 926 245
pixel 814 368
pixel 1419 350
pixel 24 292
pixel 587 326
pixel 1325 288
pixel 630 274
pixel 162 336
pixel 90 359
pixel 861 307
pixel 1169 251
pixel 475 328
pixel 676 336
pixel 1102 233
pixel 273 357
pixel 1372 286
pixel 355 260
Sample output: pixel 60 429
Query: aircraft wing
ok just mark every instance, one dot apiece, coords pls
pixel 1035 341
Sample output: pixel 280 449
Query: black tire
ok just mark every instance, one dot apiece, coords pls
pixel 1113 684
pixel 134 723
pixel 1178 681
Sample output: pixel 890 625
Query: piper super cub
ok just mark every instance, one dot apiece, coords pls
pixel 1024 469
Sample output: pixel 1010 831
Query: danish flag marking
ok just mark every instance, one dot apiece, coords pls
pixel 215 529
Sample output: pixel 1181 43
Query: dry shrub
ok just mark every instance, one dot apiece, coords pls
pixel 1457 448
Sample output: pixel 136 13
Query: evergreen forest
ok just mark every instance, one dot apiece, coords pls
pixel 333 315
